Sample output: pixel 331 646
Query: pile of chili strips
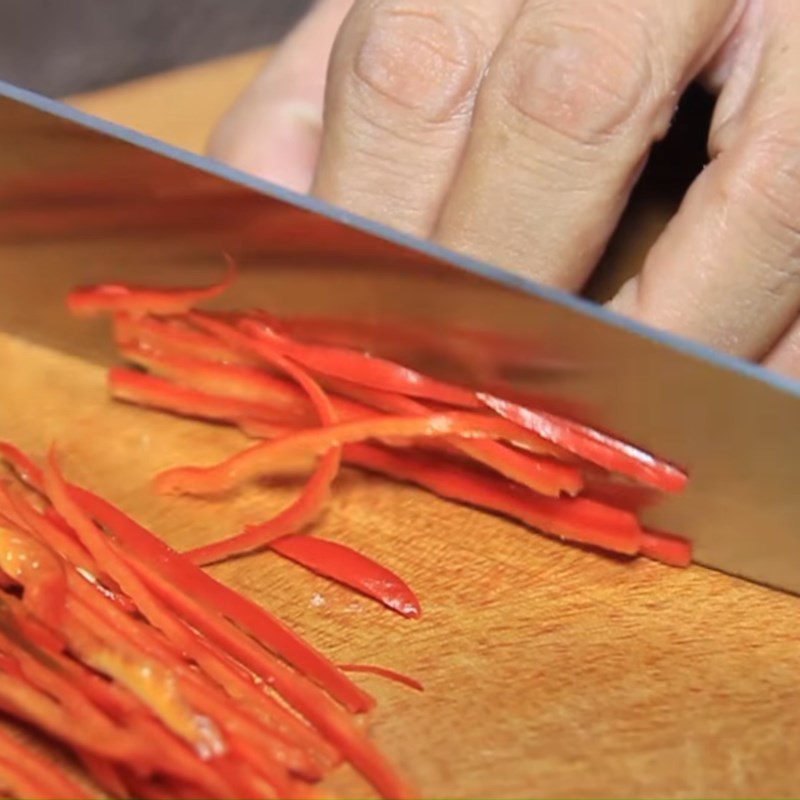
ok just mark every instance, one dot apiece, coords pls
pixel 158 680
pixel 318 405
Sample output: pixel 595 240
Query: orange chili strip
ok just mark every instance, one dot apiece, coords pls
pixel 263 457
pixel 383 672
pixel 137 300
pixel 576 519
pixel 345 565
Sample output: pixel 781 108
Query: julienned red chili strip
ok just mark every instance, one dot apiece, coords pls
pixel 198 633
pixel 591 445
pixel 252 618
pixel 139 300
pixel 182 573
pixel 52 780
pixel 666 548
pixel 359 368
pixel 294 517
pixel 576 519
pixel 384 672
pixel 245 384
pixel 345 565
pixel 142 389
pixel 265 457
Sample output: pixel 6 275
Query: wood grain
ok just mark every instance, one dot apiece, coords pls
pixel 549 671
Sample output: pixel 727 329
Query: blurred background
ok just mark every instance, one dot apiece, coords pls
pixel 61 47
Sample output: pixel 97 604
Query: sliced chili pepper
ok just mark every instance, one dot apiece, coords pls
pixel 302 695
pixel 173 337
pixel 666 548
pixel 596 447
pixel 137 300
pixel 575 518
pixel 136 387
pixel 281 399
pixel 359 368
pixel 38 570
pixel 254 619
pixel 265 456
pixel 345 565
pixel 53 782
pixel 304 510
pixel 383 672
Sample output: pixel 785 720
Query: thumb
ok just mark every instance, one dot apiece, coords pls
pixel 273 130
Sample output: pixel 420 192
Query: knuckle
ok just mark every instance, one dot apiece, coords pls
pixel 423 56
pixel 586 83
pixel 767 182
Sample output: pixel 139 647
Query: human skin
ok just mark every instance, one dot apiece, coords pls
pixel 514 131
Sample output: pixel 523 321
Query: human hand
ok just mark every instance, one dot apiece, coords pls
pixel 514 130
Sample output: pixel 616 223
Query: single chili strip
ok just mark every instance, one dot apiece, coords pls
pixel 666 548
pixel 255 460
pixel 347 566
pixel 300 513
pixel 136 387
pixel 384 672
pixel 575 518
pixel 611 454
pixel 137 300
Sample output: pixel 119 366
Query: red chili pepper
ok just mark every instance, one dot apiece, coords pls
pixel 365 370
pixel 598 448
pixel 666 548
pixel 278 398
pixel 304 510
pixel 576 519
pixel 345 565
pixel 301 695
pixel 43 778
pixel 137 300
pixel 264 457
pixel 136 387
pixel 38 570
pixel 254 619
pixel 383 672
pixel 172 336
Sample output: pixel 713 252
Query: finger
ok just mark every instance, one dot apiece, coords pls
pixel 403 78
pixel 785 357
pixel 575 96
pixel 727 269
pixel 274 129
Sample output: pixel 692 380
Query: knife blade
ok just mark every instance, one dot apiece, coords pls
pixel 82 200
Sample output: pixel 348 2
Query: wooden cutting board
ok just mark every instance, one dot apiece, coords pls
pixel 549 671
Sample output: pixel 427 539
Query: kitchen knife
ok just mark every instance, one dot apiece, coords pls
pixel 82 201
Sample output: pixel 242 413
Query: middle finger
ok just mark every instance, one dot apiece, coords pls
pixel 573 100
pixel 402 82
